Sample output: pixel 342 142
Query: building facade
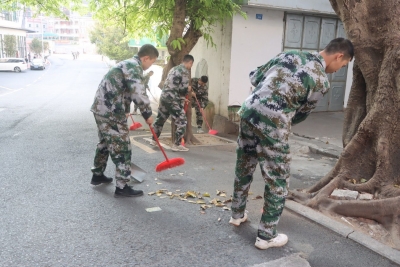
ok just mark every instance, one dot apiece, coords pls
pixel 271 26
pixel 11 27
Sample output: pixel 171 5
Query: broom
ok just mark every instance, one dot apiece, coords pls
pixel 168 163
pixel 135 125
pixel 211 131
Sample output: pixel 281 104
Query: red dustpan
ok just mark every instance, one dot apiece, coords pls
pixel 168 163
pixel 211 131
pixel 135 125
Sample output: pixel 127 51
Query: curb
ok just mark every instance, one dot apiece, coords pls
pixel 318 147
pixel 345 231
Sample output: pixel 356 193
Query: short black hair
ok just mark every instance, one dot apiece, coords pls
pixel 148 50
pixel 342 45
pixel 204 79
pixel 188 58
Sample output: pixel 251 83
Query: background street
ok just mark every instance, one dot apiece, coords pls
pixel 50 215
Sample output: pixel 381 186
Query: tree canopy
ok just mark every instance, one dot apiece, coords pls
pixel 111 42
pixel 36 46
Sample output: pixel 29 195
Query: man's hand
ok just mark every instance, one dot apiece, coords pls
pixel 189 88
pixel 186 101
pixel 193 94
pixel 201 110
pixel 149 121
pixel 127 115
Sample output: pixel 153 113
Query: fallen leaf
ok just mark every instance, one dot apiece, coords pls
pixel 169 194
pixel 183 199
pixel 363 180
pixel 191 201
pixel 155 179
pixel 181 173
pixel 257 197
pixel 153 209
pixel 227 200
pixel 201 202
pixel 158 183
pixel 202 212
pixel 163 197
pixel 251 193
pixel 219 205
pixel 396 185
pixel 218 192
pixel 222 195
pixel 203 207
pixel 178 190
pixel 206 194
pixel 191 194
pixel 173 174
pixel 212 168
pixel 327 142
pixel 226 208
pixel 151 193
pixel 158 194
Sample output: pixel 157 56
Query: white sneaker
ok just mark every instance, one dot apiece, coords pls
pixel 237 222
pixel 153 143
pixel 200 131
pixel 179 148
pixel 278 241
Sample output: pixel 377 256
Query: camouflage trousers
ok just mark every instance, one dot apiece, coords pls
pixel 199 116
pixel 175 109
pixel 114 141
pixel 274 159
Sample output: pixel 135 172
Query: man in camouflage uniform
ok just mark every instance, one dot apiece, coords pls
pixel 119 87
pixel 172 100
pixel 287 88
pixel 200 91
pixel 146 80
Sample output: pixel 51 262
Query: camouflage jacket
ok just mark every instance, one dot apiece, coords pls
pixel 146 80
pixel 201 92
pixel 176 84
pixel 287 89
pixel 122 84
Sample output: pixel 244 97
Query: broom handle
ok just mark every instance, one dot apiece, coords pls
pixel 158 142
pixel 202 113
pixel 131 118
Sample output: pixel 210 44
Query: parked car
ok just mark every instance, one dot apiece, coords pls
pixel 13 64
pixel 37 64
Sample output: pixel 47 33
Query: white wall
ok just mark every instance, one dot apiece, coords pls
pixel 254 43
pixel 219 63
pixel 313 6
pixel 349 82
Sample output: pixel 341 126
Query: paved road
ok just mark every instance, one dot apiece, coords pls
pixel 52 216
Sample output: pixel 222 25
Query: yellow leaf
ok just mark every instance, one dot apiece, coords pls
pixel 222 195
pixel 219 205
pixel 206 194
pixel 158 183
pixel 151 193
pixel 191 201
pixel 158 194
pixel 200 202
pixel 191 194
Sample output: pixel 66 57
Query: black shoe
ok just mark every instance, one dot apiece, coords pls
pixel 127 191
pixel 102 179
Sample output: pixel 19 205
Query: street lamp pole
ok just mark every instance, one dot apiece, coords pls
pixel 41 20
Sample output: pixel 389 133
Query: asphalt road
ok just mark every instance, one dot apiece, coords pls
pixel 52 216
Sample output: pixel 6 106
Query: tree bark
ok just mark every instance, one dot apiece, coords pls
pixel 371 135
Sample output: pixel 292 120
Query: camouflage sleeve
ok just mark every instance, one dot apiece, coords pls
pixel 311 103
pixel 184 84
pixel 257 75
pixel 134 82
pixel 146 79
pixel 203 97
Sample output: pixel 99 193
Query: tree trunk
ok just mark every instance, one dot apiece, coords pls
pixel 371 136
pixel 190 37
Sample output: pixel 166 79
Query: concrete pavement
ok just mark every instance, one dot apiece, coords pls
pixel 52 216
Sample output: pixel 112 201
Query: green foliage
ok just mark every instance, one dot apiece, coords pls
pixel 112 42
pixel 10 45
pixel 36 46
pixel 154 18
pixel 46 46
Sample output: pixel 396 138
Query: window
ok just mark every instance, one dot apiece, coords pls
pixel 29 25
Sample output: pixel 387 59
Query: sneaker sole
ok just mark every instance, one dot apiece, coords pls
pixel 237 224
pixel 98 183
pixel 274 246
pixel 177 150
pixel 121 196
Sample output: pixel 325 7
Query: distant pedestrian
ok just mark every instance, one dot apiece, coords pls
pixel 146 80
pixel 122 84
pixel 172 100
pixel 287 89
pixel 200 90
pixel 73 55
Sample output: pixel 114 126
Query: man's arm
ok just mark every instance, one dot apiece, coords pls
pixel 134 82
pixel 257 75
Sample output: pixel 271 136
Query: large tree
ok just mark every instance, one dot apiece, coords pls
pixel 370 161
pixel 10 45
pixel 36 46
pixel 111 42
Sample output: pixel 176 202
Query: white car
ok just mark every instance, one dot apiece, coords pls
pixel 37 64
pixel 13 64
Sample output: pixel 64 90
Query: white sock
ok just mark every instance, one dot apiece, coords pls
pixel 120 184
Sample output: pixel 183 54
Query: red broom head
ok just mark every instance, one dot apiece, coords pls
pixel 170 163
pixel 213 132
pixel 135 125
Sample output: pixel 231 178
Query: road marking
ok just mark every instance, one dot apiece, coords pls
pixel 141 146
pixel 163 145
pixel 7 88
